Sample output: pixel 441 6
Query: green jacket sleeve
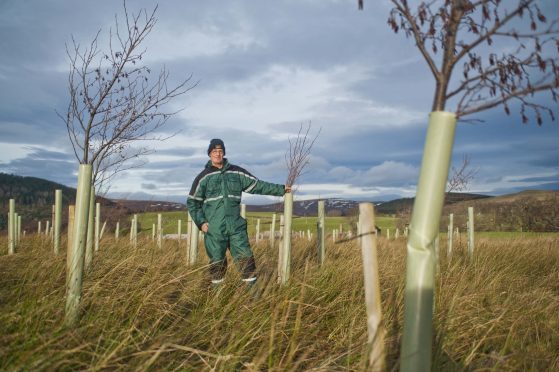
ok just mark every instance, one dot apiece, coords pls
pixel 265 188
pixel 252 185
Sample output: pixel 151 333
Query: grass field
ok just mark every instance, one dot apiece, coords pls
pixel 169 221
pixel 145 309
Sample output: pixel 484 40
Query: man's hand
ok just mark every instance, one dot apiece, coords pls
pixel 205 227
pixel 287 189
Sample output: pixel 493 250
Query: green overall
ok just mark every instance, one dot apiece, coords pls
pixel 215 198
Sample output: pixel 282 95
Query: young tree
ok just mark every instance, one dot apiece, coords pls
pixel 296 159
pixel 115 107
pixel 482 54
pixel 117 104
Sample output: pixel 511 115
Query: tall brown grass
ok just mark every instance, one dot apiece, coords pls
pixel 146 310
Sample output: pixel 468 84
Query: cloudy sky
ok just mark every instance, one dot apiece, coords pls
pixel 263 68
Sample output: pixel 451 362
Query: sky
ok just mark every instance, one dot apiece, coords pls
pixel 263 69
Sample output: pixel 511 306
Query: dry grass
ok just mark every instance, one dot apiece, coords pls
pixel 145 310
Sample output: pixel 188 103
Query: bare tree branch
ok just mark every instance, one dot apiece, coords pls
pixel 461 177
pixel 465 31
pixel 298 156
pixel 116 101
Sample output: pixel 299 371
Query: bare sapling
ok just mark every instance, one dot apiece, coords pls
pixel 297 159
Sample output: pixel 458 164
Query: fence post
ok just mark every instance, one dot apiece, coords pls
pixel 415 354
pixel 11 227
pixel 372 286
pixel 75 274
pixel 117 228
pixel 471 231
pixel 57 219
pixel 320 231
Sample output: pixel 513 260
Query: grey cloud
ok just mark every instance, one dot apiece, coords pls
pixel 149 186
pixel 50 165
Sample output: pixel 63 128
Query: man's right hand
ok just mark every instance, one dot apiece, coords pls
pixel 205 227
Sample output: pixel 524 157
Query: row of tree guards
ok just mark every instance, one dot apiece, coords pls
pixel 85 232
pixel 54 232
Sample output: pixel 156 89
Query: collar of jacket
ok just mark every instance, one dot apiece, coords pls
pixel 224 168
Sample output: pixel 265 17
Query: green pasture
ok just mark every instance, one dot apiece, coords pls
pixel 300 223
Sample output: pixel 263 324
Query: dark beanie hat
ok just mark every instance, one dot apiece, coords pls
pixel 216 143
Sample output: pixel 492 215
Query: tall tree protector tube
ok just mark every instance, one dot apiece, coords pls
pixel 371 284
pixel 420 266
pixel 285 252
pixel 193 254
pixel 320 231
pixel 11 227
pixel 57 219
pixel 75 274
pixel 90 229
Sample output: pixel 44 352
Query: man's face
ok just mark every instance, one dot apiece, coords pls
pixel 216 157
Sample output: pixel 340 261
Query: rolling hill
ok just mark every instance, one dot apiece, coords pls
pixel 530 210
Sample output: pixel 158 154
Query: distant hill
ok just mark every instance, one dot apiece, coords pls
pixel 527 210
pixel 530 210
pixel 338 207
pixel 406 204
pixel 35 196
pixel 32 191
pixel 343 207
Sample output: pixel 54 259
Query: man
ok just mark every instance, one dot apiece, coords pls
pixel 214 205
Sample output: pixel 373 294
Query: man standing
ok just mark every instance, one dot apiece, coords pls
pixel 214 205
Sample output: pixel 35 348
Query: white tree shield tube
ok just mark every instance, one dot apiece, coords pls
pixel 57 219
pixel 372 286
pixel 75 274
pixel 97 235
pixel 420 267
pixel 285 252
pixel 11 227
pixel 273 230
pixel 320 231
pixel 90 229
pixel 471 230
pixel 193 254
